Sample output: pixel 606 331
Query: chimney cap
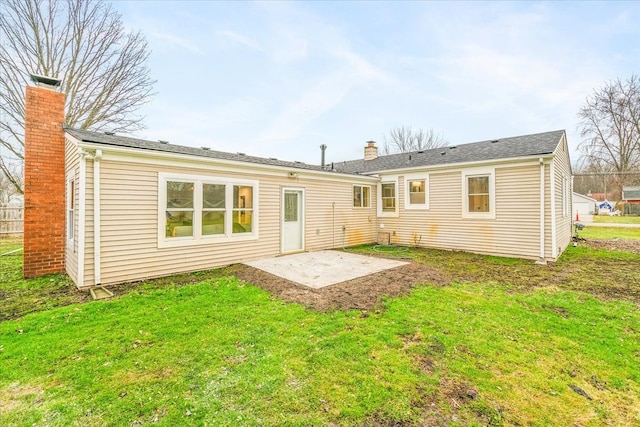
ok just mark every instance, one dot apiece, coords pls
pixel 45 81
pixel 371 143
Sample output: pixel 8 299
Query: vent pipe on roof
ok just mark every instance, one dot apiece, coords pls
pixel 323 148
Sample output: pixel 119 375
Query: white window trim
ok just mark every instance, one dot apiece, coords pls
pixel 71 213
pixel 198 238
pixel 407 195
pixel 473 172
pixel 361 196
pixel 387 180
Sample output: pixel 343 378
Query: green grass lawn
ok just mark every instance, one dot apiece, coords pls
pixel 616 219
pixel 506 343
pixel 603 233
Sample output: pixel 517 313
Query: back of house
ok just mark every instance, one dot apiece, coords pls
pixel 136 209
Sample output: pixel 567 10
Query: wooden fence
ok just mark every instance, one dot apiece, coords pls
pixel 11 220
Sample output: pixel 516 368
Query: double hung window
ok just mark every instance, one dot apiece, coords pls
pixel 361 196
pixel 479 193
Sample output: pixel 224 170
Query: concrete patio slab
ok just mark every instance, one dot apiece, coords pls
pixel 323 268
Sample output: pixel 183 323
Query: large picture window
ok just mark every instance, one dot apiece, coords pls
pixel 361 196
pixel 199 209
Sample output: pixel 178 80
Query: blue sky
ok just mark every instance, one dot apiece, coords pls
pixel 277 79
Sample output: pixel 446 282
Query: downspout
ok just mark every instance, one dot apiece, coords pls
pixel 82 190
pixel 552 181
pixel 541 260
pixel 96 217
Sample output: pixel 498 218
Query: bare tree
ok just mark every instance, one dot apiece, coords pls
pixel 610 127
pixel 103 68
pixel 8 191
pixel 404 139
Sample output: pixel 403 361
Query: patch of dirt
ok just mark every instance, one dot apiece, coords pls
pixel 615 245
pixel 363 293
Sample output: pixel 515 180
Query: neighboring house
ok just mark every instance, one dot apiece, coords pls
pixel 583 205
pixel 631 200
pixel 135 209
pixel 631 195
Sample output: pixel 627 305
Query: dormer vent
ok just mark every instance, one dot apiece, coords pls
pixel 109 133
pixel 162 141
pixel 206 148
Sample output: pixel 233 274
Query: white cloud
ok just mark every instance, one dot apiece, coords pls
pixel 176 41
pixel 240 39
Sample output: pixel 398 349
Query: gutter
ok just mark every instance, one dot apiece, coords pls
pixel 82 190
pixel 128 153
pixel 459 165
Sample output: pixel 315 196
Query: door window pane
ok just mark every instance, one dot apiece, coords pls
pixel 290 207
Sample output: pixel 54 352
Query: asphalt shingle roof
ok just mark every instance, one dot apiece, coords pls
pixel 127 142
pixel 505 148
pixel 631 193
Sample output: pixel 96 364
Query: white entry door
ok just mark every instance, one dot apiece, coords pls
pixel 292 220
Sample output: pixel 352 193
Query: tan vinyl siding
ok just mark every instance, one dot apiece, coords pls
pixel 514 232
pixel 129 222
pixel 71 171
pixel 562 166
pixel 548 234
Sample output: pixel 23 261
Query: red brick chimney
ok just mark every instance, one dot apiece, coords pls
pixel 44 179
